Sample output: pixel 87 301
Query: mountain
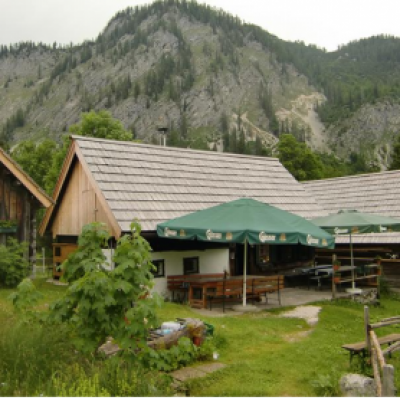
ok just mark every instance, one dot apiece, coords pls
pixel 203 73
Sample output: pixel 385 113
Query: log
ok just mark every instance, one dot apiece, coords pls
pixel 366 328
pixel 377 376
pixel 384 323
pixel 377 347
pixel 392 348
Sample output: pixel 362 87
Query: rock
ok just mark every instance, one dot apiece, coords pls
pixel 355 385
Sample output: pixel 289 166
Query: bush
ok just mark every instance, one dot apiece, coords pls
pixel 13 265
pixel 184 353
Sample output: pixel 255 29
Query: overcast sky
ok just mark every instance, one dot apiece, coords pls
pixel 326 23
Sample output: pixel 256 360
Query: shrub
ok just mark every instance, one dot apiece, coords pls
pixel 13 265
pixel 184 353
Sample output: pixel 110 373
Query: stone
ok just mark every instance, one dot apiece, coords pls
pixel 355 385
pixel 187 373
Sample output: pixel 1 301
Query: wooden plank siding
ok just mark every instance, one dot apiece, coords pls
pixel 79 207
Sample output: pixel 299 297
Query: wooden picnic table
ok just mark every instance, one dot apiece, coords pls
pixel 203 284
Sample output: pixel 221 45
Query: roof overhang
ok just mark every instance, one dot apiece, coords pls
pixel 25 179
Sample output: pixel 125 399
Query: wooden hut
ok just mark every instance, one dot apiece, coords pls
pixel 115 182
pixel 377 193
pixel 20 198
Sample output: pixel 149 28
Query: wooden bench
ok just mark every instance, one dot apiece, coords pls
pixel 227 290
pixel 179 283
pixel 360 348
pixel 266 285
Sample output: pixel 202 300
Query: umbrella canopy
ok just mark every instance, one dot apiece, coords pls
pixel 353 221
pixel 246 220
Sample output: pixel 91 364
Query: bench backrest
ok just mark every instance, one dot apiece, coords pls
pixel 176 281
pixel 271 283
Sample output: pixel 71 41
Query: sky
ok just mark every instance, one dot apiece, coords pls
pixel 326 23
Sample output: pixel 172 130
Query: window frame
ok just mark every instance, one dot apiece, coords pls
pixel 185 259
pixel 157 274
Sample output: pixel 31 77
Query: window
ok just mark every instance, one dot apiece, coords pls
pixel 57 251
pixel 190 265
pixel 159 272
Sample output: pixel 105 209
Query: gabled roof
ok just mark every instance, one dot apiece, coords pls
pixel 25 179
pixel 155 184
pixel 377 193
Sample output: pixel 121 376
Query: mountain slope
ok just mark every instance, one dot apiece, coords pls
pixel 203 72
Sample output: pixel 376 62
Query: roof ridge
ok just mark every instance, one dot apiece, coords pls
pixel 370 174
pixel 169 148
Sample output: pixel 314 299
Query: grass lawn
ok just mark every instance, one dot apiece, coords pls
pixel 265 354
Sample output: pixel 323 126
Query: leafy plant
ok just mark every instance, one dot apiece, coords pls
pixel 184 353
pixel 100 303
pixel 6 223
pixel 13 265
pixel 25 298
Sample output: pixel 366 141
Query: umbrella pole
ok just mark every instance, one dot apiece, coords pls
pixel 353 284
pixel 245 273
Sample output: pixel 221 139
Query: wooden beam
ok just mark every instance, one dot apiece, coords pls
pixel 366 328
pixel 25 179
pixel 378 349
pixel 392 348
pixel 59 185
pixel 377 374
pixel 99 193
pixel 384 323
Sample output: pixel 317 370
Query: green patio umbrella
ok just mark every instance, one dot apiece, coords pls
pixel 245 221
pixel 348 222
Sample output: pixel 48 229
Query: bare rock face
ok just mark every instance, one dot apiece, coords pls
pixel 355 385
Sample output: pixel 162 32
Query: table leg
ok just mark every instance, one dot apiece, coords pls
pixel 190 295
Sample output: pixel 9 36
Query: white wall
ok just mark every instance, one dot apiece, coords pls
pixel 210 262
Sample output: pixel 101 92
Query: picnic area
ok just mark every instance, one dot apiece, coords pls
pixel 274 355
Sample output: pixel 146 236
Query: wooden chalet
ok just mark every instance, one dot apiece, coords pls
pixel 20 198
pixel 115 182
pixel 377 193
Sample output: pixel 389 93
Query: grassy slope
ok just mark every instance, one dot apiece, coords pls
pixel 267 355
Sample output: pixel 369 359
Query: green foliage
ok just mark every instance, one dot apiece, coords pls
pixel 100 125
pixel 26 296
pixel 100 303
pixel 184 353
pixel 13 265
pixel 395 164
pixel 112 381
pixel 327 385
pixel 35 158
pixel 301 162
pixel 89 256
pixel 8 223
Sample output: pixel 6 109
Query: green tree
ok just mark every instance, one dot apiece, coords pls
pixel 35 158
pixel 300 161
pixel 395 164
pixel 101 125
pixel 99 302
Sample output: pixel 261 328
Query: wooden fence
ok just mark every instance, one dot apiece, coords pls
pixel 383 372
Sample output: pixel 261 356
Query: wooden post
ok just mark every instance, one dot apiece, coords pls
pixel 366 328
pixel 32 240
pixel 388 388
pixel 333 278
pixel 377 376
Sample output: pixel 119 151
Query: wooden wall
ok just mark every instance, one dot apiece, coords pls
pixel 79 206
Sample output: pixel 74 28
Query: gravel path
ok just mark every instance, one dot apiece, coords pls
pixel 309 313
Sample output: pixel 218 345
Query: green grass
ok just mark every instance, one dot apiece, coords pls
pixel 265 354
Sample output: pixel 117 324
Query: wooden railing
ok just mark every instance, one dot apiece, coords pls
pixel 383 372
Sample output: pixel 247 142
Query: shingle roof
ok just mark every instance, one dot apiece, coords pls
pixel 155 183
pixel 377 193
